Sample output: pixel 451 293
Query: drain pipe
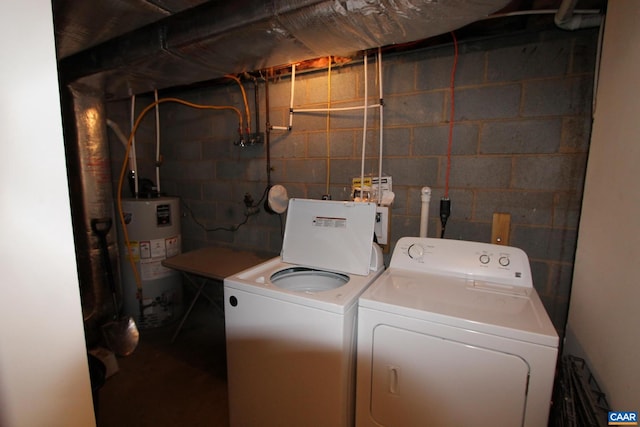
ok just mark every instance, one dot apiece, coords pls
pixel 425 196
pixel 567 20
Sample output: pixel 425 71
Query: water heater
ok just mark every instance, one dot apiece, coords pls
pixel 153 228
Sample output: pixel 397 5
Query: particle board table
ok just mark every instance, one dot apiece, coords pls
pixel 210 263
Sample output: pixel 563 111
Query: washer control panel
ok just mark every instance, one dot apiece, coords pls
pixel 487 262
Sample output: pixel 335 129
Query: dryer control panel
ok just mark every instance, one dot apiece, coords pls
pixel 485 263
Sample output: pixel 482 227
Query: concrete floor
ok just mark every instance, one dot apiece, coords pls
pixel 171 384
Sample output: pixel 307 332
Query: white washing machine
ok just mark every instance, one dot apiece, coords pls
pixel 454 334
pixel 291 321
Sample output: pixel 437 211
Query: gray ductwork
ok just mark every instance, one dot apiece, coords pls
pixel 219 37
pixel 88 163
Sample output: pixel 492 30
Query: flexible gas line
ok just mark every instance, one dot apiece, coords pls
pixel 244 98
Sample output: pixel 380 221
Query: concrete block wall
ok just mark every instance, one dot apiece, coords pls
pixel 520 143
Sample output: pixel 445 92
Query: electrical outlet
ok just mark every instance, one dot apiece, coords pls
pixel 383 225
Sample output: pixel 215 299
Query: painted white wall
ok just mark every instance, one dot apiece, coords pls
pixel 44 379
pixel 604 318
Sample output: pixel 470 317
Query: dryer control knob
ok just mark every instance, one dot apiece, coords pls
pixel 504 261
pixel 415 251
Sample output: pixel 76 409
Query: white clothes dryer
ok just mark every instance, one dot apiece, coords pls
pixel 453 333
pixel 290 322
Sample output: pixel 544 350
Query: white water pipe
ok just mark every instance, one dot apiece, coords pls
pixel 425 196
pixel 320 110
pixel 567 19
pixel 364 126
pixel 293 85
pixel 158 159
pixel 381 104
pixel 292 110
pixel 133 147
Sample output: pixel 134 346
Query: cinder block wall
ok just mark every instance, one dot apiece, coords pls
pixel 520 142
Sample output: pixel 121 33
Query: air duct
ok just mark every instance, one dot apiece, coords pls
pixel 217 38
pixel 88 165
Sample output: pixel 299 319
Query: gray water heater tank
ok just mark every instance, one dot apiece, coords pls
pixel 153 228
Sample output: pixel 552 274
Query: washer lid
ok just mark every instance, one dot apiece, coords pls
pixel 333 235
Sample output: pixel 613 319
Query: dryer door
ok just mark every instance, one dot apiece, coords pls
pixel 426 380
